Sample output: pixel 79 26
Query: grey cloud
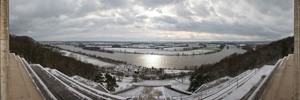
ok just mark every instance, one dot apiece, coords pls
pixel 156 3
pixel 182 10
pixel 267 6
pixel 233 29
pixel 116 3
pixel 42 9
pixel 166 19
pixel 112 19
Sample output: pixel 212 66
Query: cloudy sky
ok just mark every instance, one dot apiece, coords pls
pixel 152 20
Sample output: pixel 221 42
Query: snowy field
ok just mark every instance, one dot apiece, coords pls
pixel 181 84
pixel 125 83
pixel 159 52
pixel 176 71
pixel 87 59
pixel 158 92
pixel 155 87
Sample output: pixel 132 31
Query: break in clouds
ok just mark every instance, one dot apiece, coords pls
pixel 152 20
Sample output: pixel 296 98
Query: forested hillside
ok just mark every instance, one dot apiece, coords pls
pixel 36 53
pixel 238 63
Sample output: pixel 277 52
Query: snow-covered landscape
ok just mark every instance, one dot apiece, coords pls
pixel 167 71
pixel 227 88
pixel 165 51
pixel 236 88
pixel 86 59
pixel 135 82
pixel 230 89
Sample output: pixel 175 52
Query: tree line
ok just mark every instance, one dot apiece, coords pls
pixel 235 64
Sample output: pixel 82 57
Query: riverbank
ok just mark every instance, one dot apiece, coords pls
pixel 161 52
pixel 128 69
pixel 108 60
pixel 159 61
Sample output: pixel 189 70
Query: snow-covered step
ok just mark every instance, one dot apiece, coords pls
pixel 89 91
pixel 38 81
pixel 225 87
pixel 59 90
pixel 55 85
pixel 231 87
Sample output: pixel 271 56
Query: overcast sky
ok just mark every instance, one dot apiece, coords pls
pixel 152 20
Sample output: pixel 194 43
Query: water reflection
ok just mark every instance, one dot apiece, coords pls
pixel 152 60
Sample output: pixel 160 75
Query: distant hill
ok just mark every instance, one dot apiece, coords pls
pixel 238 63
pixel 50 57
pixel 27 37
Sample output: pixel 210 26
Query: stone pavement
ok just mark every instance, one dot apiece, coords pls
pixel 20 85
pixel 284 84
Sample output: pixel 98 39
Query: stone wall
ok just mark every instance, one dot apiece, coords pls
pixel 4 46
pixel 296 33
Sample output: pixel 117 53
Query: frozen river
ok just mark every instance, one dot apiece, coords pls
pixel 162 61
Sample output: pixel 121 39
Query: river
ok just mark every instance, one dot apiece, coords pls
pixel 162 61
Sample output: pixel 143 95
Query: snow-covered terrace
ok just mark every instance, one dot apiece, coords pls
pixel 236 88
pixel 247 83
pixel 157 91
pixel 56 85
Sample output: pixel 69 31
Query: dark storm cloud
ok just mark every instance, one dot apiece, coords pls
pixel 152 19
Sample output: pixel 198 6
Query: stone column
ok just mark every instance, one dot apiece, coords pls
pixel 4 46
pixel 296 33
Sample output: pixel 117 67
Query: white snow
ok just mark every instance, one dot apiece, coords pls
pixel 233 85
pixel 88 82
pixel 177 84
pixel 221 90
pixel 279 62
pixel 214 82
pixel 174 83
pixel 181 83
pixel 74 83
pixel 84 81
pixel 87 59
pixel 82 86
pixel 132 93
pixel 141 92
pixel 241 91
pixel 166 71
pixel 235 88
pixel 123 85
